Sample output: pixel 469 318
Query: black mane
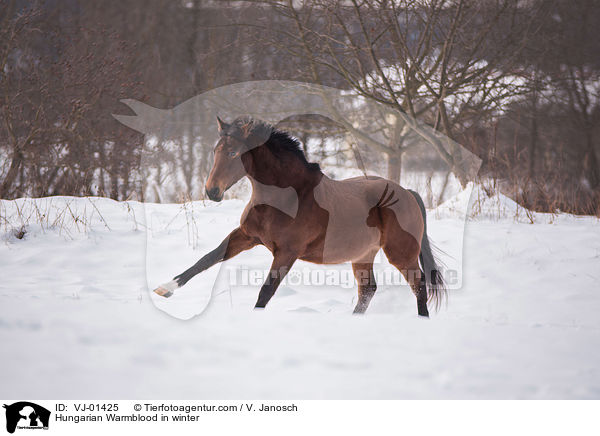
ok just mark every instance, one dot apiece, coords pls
pixel 279 141
pixel 282 141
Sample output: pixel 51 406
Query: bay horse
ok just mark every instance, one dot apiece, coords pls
pixel 297 212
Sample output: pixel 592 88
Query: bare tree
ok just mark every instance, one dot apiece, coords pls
pixel 445 62
pixel 57 85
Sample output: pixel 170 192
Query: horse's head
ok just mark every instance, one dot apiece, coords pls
pixel 235 140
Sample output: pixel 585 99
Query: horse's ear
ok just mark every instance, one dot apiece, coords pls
pixel 221 125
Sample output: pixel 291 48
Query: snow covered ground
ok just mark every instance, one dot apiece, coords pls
pixel 78 320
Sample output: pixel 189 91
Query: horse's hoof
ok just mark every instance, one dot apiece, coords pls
pixel 167 289
pixel 163 292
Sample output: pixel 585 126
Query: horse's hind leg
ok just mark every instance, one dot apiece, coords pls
pixel 417 281
pixel 412 273
pixel 363 272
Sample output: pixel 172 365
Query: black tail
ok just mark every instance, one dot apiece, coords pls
pixel 433 274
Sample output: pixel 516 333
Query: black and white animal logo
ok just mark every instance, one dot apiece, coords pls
pixel 26 415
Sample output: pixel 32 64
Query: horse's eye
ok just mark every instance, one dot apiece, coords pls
pixel 232 154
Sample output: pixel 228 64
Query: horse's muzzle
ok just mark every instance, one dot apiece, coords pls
pixel 214 194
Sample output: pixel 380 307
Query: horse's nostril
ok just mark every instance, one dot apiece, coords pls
pixel 212 193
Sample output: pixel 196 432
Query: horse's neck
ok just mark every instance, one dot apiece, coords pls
pixel 274 172
pixel 285 199
pixel 283 185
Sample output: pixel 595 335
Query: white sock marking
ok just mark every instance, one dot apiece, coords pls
pixel 171 286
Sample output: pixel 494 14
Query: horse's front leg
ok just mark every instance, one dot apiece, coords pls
pixel 282 263
pixel 232 245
